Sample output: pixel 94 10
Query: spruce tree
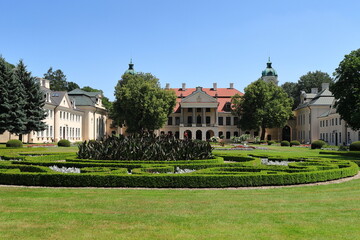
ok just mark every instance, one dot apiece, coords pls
pixel 5 106
pixel 17 98
pixel 34 100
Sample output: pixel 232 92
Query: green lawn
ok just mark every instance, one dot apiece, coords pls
pixel 308 212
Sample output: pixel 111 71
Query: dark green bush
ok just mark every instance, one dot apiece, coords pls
pixel 355 146
pixel 14 143
pixel 64 143
pixel 294 143
pixel 270 142
pixel 145 147
pixel 285 143
pixel 318 144
pixel 262 141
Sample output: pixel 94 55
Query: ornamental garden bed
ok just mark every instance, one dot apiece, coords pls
pixel 238 170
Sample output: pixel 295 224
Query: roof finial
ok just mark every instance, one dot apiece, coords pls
pixel 269 59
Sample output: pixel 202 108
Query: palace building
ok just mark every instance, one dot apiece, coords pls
pixel 75 116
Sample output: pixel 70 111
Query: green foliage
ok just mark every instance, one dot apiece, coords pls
pixel 105 101
pixel 64 143
pixel 347 89
pixel 262 141
pixel 294 143
pixel 5 104
pixel 72 86
pixel 145 147
pixel 318 144
pixel 355 146
pixel 270 142
pixel 305 83
pixel 285 143
pixel 14 143
pixel 263 105
pixel 57 80
pixel 34 100
pixel 141 104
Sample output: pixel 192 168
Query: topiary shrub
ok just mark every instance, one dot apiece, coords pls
pixel 294 143
pixel 318 144
pixel 270 142
pixel 14 143
pixel 64 143
pixel 285 143
pixel 262 141
pixel 355 146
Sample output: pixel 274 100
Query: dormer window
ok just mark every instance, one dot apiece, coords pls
pixel 227 107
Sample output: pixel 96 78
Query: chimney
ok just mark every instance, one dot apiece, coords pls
pixel 325 86
pixel 167 87
pixel 231 85
pixel 183 88
pixel 314 90
pixel 215 86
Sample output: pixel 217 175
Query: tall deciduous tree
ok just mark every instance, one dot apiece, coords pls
pixel 263 105
pixel 141 103
pixel 306 83
pixel 347 89
pixel 57 80
pixel 105 101
pixel 5 105
pixel 34 100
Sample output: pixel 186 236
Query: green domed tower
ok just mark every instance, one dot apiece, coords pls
pixel 131 69
pixel 269 74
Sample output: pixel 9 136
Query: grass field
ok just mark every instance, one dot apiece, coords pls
pixel 307 212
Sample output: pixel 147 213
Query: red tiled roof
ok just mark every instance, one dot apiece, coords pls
pixel 223 95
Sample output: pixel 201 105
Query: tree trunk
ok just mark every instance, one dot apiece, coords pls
pixel 262 133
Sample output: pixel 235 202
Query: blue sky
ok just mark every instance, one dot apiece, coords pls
pixel 195 42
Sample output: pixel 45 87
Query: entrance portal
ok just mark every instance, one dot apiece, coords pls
pixel 286 134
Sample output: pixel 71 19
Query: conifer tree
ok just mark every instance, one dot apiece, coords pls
pixel 34 100
pixel 5 78
pixel 17 98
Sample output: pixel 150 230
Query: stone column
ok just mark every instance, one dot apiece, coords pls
pixel 181 116
pixel 203 118
pixel 216 117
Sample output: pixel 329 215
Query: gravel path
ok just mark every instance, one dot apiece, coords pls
pixel 230 188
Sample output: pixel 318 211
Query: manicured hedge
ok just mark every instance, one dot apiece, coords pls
pixel 173 180
pixel 284 143
pixel 294 143
pixel 355 146
pixel 238 170
pixel 318 144
pixel 64 143
pixel 14 143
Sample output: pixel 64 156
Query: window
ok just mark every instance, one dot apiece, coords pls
pixel 256 134
pixel 208 120
pixel 51 131
pixel 189 119
pixel 227 135
pixel 335 121
pixel 198 119
pixel 332 122
pixel 221 121
pixel 170 133
pixel 227 107
pixel 228 121
pixel 60 114
pixel 339 121
pixel 340 137
pixel 60 132
pixel 236 121
pixel 189 109
pixel 221 134
pixel 207 109
pixel 327 123
pixel 170 119
pixel 198 109
pixel 162 132
pixel 236 134
pixel 348 137
pixel 320 123
pixel 177 120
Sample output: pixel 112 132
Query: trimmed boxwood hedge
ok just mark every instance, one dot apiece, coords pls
pixel 284 143
pixel 355 146
pixel 14 143
pixel 238 170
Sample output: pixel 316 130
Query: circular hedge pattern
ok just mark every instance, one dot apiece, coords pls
pixel 226 170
